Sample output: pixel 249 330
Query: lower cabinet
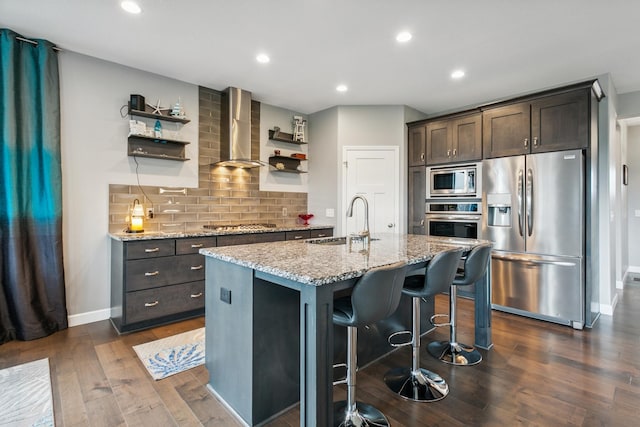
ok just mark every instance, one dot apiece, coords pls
pixel 159 281
pixel 156 281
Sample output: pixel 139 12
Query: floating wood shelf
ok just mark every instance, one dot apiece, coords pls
pixel 156 148
pixel 151 115
pixel 284 137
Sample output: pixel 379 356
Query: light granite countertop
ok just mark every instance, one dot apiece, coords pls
pixel 125 237
pixel 320 264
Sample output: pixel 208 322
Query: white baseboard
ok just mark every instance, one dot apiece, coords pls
pixel 608 309
pixel 619 284
pixel 88 317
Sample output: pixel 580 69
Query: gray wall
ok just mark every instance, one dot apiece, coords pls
pixel 94 155
pixel 342 126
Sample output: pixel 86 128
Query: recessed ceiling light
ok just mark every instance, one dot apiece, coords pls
pixel 457 74
pixel 342 88
pixel 403 37
pixel 131 7
pixel 263 58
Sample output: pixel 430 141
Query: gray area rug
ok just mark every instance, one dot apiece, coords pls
pixel 25 395
pixel 171 355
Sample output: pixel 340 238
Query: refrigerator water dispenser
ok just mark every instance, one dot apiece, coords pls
pixel 499 210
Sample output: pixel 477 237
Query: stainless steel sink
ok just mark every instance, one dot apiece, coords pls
pixel 328 241
pixel 333 241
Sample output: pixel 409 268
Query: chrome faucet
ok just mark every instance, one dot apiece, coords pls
pixel 364 235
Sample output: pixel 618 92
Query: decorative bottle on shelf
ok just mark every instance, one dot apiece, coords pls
pixel 157 129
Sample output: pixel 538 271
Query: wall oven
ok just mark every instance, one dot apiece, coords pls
pixel 454 218
pixel 455 181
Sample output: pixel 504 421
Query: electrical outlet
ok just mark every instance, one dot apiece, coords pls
pixel 330 213
pixel 284 212
pixel 225 295
pixel 149 212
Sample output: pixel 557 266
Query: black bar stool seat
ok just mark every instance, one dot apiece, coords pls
pixel 416 383
pixel 453 352
pixel 375 297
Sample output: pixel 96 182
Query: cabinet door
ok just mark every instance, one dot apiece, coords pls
pixel 439 142
pixel 560 122
pixel 506 130
pixel 417 196
pixel 416 145
pixel 467 138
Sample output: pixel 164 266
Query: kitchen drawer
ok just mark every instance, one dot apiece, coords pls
pixel 321 232
pixel 241 239
pixel 149 248
pixel 156 272
pixel 193 245
pixel 164 301
pixel 297 235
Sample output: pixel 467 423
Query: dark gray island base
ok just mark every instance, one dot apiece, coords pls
pixel 269 330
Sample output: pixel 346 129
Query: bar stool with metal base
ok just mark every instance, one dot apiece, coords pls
pixel 416 383
pixel 452 351
pixel 375 297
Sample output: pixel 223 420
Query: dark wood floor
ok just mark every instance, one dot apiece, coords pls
pixel 537 374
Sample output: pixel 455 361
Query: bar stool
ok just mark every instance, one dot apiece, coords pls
pixel 415 383
pixel 375 297
pixel 452 351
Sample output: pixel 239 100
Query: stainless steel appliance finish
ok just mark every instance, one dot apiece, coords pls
pixel 458 181
pixel 235 130
pixel 447 218
pixel 534 210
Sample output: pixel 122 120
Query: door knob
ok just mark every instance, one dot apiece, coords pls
pixel 390 225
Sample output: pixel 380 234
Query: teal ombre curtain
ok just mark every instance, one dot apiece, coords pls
pixel 32 296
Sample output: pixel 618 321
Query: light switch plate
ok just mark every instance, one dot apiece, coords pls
pixel 330 213
pixel 637 212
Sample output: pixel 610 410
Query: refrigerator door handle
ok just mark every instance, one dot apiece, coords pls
pixel 529 196
pixel 532 261
pixel 520 202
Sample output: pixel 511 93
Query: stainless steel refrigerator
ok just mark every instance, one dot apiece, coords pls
pixel 534 212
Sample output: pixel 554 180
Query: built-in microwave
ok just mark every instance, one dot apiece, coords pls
pixel 458 181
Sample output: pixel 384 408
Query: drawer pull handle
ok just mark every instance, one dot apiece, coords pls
pixel 152 273
pixel 196 295
pixel 197 245
pixel 197 267
pixel 150 250
pixel 322 235
pixel 151 304
pixel 297 237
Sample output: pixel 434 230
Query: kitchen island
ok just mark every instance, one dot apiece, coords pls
pixel 269 329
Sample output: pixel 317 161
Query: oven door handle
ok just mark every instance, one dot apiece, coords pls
pixel 454 217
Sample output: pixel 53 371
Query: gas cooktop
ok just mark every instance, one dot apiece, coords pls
pixel 238 227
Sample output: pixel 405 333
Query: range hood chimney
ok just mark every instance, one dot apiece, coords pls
pixel 235 130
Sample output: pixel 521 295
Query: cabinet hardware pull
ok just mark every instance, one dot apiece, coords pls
pixel 422 222
pixel 526 142
pixel 455 152
pixel 535 141
pixel 198 295
pixel 297 237
pixel 421 156
pixel 196 267
pixel 151 304
pixel 322 235
pixel 448 153
pixel 152 250
pixel 152 273
pixel 198 245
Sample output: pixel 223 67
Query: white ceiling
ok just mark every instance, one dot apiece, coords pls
pixel 506 47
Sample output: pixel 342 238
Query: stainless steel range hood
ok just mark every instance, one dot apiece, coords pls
pixel 235 130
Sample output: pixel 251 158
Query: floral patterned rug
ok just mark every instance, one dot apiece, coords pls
pixel 25 395
pixel 171 355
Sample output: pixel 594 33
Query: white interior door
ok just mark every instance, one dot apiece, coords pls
pixel 372 172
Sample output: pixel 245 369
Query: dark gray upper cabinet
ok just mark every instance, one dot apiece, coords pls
pixel 560 122
pixel 454 140
pixel 550 123
pixel 416 145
